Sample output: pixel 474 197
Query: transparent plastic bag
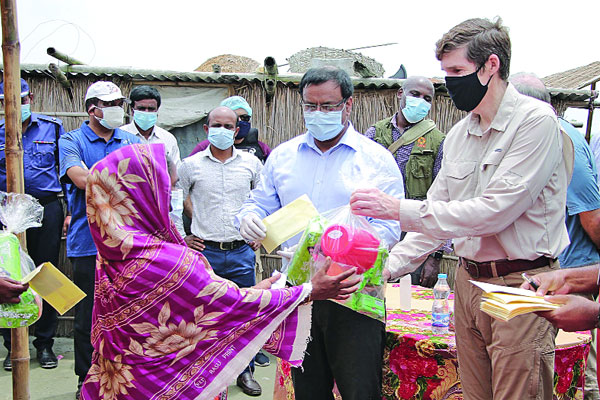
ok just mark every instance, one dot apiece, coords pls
pixel 18 212
pixel 350 241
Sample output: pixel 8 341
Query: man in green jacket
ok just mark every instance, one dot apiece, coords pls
pixel 417 145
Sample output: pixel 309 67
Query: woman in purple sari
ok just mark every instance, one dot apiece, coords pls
pixel 164 325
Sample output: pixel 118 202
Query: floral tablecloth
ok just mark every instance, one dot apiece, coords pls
pixel 419 365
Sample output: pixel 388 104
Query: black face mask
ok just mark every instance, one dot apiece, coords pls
pixel 466 91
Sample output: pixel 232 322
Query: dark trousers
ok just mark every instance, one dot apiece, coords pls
pixel 43 244
pixel 84 277
pixel 346 347
pixel 236 265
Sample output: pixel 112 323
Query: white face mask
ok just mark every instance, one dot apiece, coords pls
pixel 112 117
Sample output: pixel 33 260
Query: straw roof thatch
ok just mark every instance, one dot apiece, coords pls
pixel 229 63
pixel 365 66
pixel 576 78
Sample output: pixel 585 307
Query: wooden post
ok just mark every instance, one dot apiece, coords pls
pixel 14 171
pixel 588 129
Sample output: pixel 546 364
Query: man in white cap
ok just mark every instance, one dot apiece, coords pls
pixel 79 150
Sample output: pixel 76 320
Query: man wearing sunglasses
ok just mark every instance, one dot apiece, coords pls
pixel 325 163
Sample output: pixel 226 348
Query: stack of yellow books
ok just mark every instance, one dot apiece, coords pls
pixel 505 303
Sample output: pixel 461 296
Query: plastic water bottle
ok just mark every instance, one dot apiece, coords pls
pixel 440 312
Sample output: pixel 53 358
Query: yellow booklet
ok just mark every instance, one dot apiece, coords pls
pixel 288 221
pixel 54 287
pixel 505 303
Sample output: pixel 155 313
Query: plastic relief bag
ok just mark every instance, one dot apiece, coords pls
pixel 350 241
pixel 18 212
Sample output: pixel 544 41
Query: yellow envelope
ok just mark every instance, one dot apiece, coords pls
pixel 54 287
pixel 288 221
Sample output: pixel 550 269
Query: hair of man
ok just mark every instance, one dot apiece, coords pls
pixel 144 92
pixel 317 76
pixel 482 38
pixel 529 84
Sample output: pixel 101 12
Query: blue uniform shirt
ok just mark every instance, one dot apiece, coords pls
pixel 39 156
pixel 83 148
pixel 582 196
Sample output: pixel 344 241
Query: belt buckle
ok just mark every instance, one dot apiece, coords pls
pixel 224 248
pixel 472 268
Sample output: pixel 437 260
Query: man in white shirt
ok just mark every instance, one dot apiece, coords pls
pixel 145 102
pixel 501 195
pixel 218 180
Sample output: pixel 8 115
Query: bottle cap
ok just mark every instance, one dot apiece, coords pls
pixel 442 276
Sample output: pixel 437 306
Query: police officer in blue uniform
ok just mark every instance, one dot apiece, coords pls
pixel 40 161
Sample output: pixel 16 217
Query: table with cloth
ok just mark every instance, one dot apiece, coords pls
pixel 419 365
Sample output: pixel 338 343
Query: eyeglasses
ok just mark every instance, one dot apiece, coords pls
pixel 245 117
pixel 323 107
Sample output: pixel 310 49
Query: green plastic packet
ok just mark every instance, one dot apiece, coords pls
pixel 29 309
pixel 369 298
pixel 299 269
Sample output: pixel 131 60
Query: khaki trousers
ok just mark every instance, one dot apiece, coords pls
pixel 502 360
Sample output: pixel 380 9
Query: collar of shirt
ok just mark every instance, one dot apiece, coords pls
pixel 350 139
pixel 207 153
pixel 136 131
pixel 92 137
pixel 502 117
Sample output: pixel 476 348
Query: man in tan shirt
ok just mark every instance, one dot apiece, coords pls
pixel 501 195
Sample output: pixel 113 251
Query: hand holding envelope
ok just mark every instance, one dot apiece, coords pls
pixel 54 287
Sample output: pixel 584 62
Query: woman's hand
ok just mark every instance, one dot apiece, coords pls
pixel 338 287
pixel 267 283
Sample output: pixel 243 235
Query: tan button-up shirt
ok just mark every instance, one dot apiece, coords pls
pixel 500 194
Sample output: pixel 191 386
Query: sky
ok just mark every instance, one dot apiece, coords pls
pixel 180 35
pixel 547 37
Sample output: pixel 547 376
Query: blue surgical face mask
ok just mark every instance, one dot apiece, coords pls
pixel 415 109
pixel 323 126
pixel 221 138
pixel 144 119
pixel 244 129
pixel 25 112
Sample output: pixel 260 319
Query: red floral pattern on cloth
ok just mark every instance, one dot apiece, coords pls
pixel 419 365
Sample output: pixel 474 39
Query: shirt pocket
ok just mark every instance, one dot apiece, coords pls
pixel 43 154
pixel 460 179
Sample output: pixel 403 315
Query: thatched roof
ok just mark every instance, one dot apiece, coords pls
pixel 229 63
pixel 576 78
pixel 362 65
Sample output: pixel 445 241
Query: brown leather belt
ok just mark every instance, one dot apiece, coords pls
pixel 493 269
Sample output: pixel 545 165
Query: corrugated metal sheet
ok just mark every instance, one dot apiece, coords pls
pixel 129 73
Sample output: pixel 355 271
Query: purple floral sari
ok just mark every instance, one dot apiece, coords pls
pixel 164 325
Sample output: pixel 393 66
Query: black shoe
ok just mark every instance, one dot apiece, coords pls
pixel 47 358
pixel 262 360
pixel 7 364
pixel 248 384
pixel 78 392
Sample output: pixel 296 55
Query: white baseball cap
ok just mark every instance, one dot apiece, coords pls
pixel 103 90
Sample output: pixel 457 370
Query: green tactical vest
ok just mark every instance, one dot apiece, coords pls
pixel 419 168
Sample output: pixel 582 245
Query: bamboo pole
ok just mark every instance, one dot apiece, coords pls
pixel 63 57
pixel 14 171
pixel 588 129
